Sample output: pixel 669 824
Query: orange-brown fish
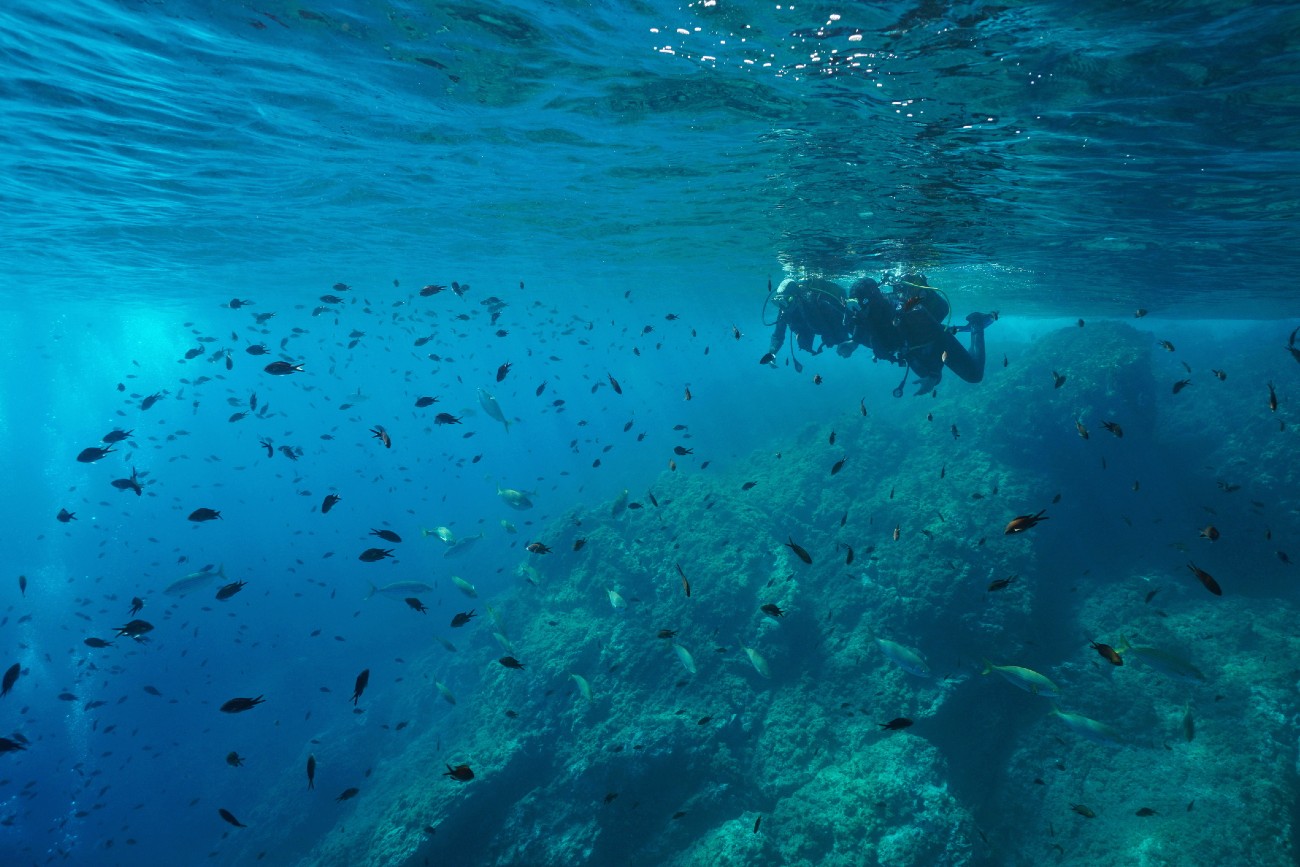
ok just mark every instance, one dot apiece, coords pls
pixel 1021 523
pixel 1108 653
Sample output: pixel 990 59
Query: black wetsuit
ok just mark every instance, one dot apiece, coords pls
pixel 817 309
pixel 909 334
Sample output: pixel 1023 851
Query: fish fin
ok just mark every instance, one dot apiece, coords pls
pixel 221 571
pixel 373 590
pixel 1123 644
pixel 988 667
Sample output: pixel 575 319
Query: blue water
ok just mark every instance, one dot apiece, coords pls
pixel 628 180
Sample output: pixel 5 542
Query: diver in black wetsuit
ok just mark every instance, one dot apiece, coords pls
pixel 809 308
pixel 903 327
pixel 907 328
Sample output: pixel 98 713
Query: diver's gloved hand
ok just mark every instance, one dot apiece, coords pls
pixel 925 385
pixel 980 321
pixel 769 359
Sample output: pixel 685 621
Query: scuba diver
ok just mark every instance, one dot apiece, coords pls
pixel 809 308
pixel 906 328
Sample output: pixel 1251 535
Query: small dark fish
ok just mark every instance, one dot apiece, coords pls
pixel 269 446
pixel 1210 532
pixel 22 585
pixel 462 618
pixel 1058 379
pixel 839 465
pixel 415 604
pixel 445 418
pixel 1114 428
pixel 362 679
pixel 230 817
pixel 578 544
pixel 431 289
pixel 510 662
pixel 374 555
pixel 10 678
pixel 136 605
pixel 92 454
pixel 239 705
pixel 256 349
pixel 311 771
pixel 541 388
pixel 666 633
pixel 682 451
pixel 1207 579
pixel 1272 405
pixel 748 485
pixel 618 389
pixel 331 500
pixel 955 433
pixel 425 401
pixel 1145 811
pixel 98 643
pixel 386 535
pixel 1083 811
pixel 1165 345
pixel 758 822
pixel 235 760
pixel 135 629
pixel 1282 555
pixel 1001 583
pixel 502 371
pixel 1181 384
pixel 64 516
pixel 848 558
pixel 282 368
pixel 198 516
pixel 799 552
pixel 348 794
pixel 1108 653
pixel 1218 374
pixel 231 589
pixel 460 773
pixel 895 725
pixel 1139 313
pixel 1083 431
pixel 116 435
pixel 686 584
pixel 537 548
pixel 151 400
pixel 772 610
pixel 9 745
pixel 1021 523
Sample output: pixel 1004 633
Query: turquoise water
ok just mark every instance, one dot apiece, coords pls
pixel 613 189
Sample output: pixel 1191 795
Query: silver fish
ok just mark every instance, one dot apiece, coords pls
pixel 491 407
pixel 194 581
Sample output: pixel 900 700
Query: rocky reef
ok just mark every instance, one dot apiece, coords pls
pixel 664 717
